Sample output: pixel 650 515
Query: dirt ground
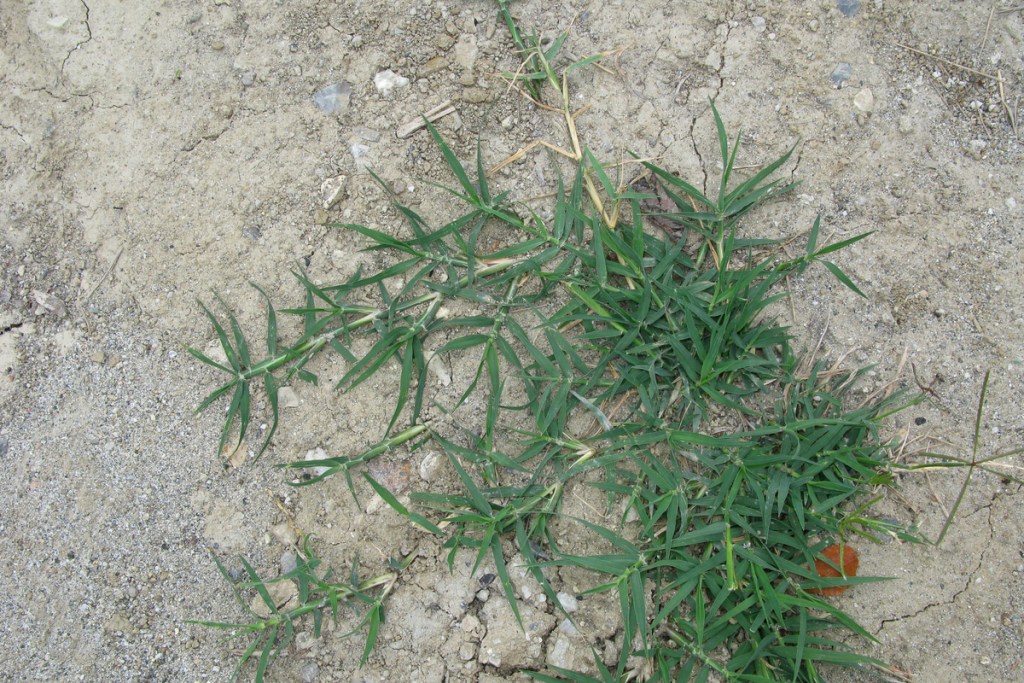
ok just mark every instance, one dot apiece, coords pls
pixel 156 152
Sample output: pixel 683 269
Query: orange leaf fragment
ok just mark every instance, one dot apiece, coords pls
pixel 835 556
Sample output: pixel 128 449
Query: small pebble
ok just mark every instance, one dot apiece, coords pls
pixel 568 602
pixel 284 534
pixel 287 398
pixel 475 95
pixel 434 65
pixel 217 45
pixel 359 151
pixel 248 78
pixel 386 81
pixel 430 466
pixel 976 149
pixel 849 8
pixel 758 23
pixel 288 561
pixel 332 190
pixel 367 134
pixel 841 74
pixel 333 98
pixel 864 100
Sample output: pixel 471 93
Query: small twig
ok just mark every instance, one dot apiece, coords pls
pixel 299 535
pixel 1010 112
pixel 897 674
pixel 948 62
pixel 440 111
pixel 522 152
pixel 977 323
pixel 789 298
pixel 679 86
pixel 104 276
pixel 897 454
pixel 988 27
pixel 927 389
pixel 1016 107
pixel 888 388
pixel 935 495
pixel 804 370
pixel 1010 10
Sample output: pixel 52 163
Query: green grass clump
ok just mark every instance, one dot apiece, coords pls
pixel 735 468
pixel 273 627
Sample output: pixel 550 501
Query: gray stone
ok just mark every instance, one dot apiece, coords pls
pixel 288 561
pixel 367 134
pixel 841 74
pixel 430 466
pixel 287 398
pixel 333 98
pixel 568 602
pixel 849 8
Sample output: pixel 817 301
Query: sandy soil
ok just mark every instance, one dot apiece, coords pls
pixel 153 153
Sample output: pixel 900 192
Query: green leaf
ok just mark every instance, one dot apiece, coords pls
pixel 390 499
pixel 842 245
pixel 841 276
pixel 206 359
pixel 453 163
pixel 812 238
pixel 271 322
pixel 371 635
pixel 272 387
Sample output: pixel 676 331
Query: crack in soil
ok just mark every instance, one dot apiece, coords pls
pixel 10 328
pixel 970 576
pixel 718 90
pixel 796 164
pixel 88 30
pixel 696 150
pixel 17 132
